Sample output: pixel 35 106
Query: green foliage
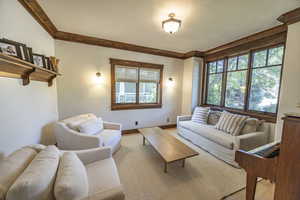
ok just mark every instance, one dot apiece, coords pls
pixel 236 89
pixel 264 89
pixel 214 89
pixel 265 81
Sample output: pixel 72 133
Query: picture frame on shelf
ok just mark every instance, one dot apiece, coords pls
pixel 48 64
pixel 29 52
pixel 23 49
pixel 10 48
pixel 39 60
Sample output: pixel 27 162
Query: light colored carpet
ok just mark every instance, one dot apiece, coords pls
pixel 203 178
pixel 264 191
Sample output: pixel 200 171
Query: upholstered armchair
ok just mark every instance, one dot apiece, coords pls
pixel 69 138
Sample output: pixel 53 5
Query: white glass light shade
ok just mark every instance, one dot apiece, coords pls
pixel 171 25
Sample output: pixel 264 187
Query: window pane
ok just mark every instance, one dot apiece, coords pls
pixel 126 74
pixel 264 89
pixel 220 66
pixel 275 56
pixel 148 92
pixel 243 62
pixel 151 75
pixel 214 89
pixel 236 89
pixel 259 59
pixel 232 63
pixel 212 67
pixel 125 92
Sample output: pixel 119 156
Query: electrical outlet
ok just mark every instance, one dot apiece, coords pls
pixel 136 123
pixel 168 119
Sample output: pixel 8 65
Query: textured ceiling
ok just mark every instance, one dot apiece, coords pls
pixel 205 23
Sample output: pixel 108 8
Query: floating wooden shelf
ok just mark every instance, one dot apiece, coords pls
pixel 16 68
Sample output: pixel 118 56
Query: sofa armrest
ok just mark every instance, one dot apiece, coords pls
pixel 184 118
pixel 115 193
pixel 251 141
pixel 92 155
pixel 111 125
pixel 68 139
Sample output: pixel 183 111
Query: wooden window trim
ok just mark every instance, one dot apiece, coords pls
pixel 269 117
pixel 137 105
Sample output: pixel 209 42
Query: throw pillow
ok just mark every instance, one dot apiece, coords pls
pixel 200 115
pixel 37 180
pixel 91 126
pixel 213 117
pixel 251 125
pixel 12 167
pixel 71 181
pixel 231 123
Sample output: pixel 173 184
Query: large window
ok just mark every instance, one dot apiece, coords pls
pixel 135 85
pixel 214 86
pixel 248 82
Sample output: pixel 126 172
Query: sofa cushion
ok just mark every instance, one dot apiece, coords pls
pixel 200 115
pixel 12 166
pixel 71 180
pixel 91 126
pixel 36 182
pixel 251 125
pixel 213 117
pixel 209 132
pixel 102 176
pixel 37 147
pixel 109 136
pixel 231 123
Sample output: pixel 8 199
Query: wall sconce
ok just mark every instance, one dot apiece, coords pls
pixel 170 82
pixel 99 78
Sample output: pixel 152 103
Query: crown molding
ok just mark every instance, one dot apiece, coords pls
pixel 33 7
pixel 290 17
pixel 249 39
pixel 72 37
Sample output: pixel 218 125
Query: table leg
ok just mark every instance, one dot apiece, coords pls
pixel 144 142
pixel 251 187
pixel 183 162
pixel 166 167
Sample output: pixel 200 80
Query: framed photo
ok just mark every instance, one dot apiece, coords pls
pixel 39 60
pixel 48 63
pixel 29 52
pixel 10 48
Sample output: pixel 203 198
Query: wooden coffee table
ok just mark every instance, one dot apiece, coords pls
pixel 167 146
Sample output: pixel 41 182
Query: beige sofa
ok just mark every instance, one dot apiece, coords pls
pixel 218 143
pixel 71 139
pixel 19 181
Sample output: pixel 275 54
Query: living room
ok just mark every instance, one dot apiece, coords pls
pixel 149 99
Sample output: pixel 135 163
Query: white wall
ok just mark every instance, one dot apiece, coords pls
pixel 25 110
pixel 290 91
pixel 78 93
pixel 190 83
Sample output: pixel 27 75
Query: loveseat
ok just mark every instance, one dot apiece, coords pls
pixel 68 137
pixel 221 144
pixel 34 173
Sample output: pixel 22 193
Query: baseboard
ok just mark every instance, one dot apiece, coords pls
pixel 168 126
pixel 134 131
pixel 131 131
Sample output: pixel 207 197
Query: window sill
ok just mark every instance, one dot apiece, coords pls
pixel 134 106
pixel 268 117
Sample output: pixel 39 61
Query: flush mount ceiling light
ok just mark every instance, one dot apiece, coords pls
pixel 171 25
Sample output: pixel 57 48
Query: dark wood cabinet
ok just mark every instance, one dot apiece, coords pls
pixel 288 170
pixel 283 169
